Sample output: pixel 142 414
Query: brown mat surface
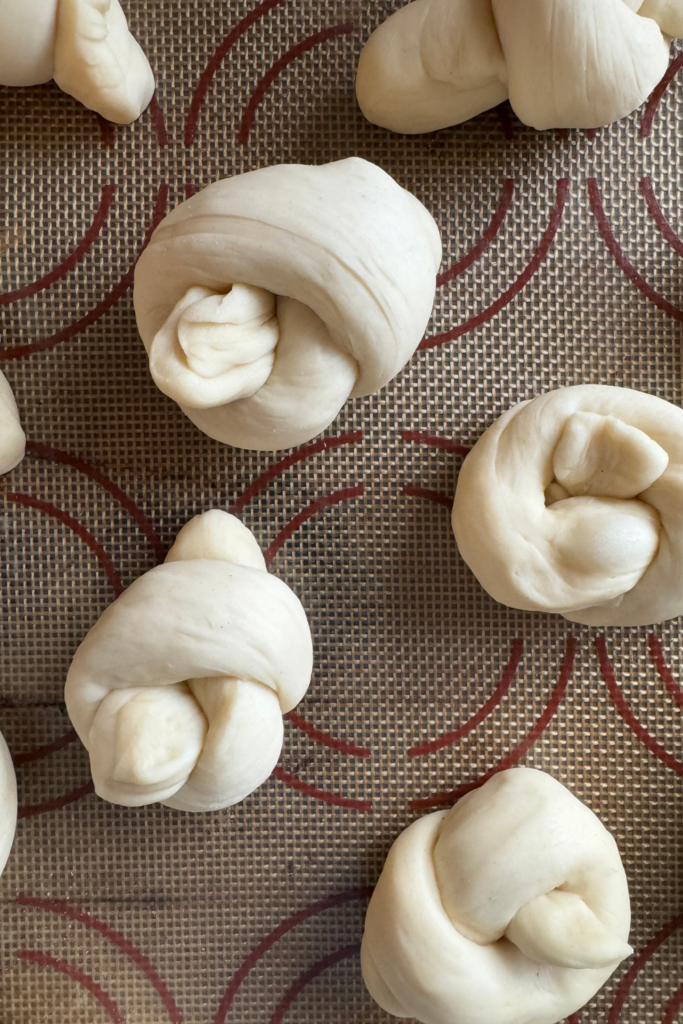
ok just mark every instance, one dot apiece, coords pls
pixel 253 915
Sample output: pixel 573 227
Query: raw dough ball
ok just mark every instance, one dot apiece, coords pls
pixel 12 437
pixel 8 803
pixel 511 908
pixel 85 45
pixel 268 299
pixel 573 503
pixel 562 63
pixel 178 691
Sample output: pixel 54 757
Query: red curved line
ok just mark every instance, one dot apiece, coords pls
pixel 279 467
pixel 212 67
pixel 673 1006
pixel 645 955
pixel 486 239
pixel 502 112
pixel 656 97
pixel 308 976
pixel 158 122
pixel 35 956
pixel 67 910
pixel 294 782
pixel 617 253
pixel 316 506
pixel 45 451
pixel 20 351
pixel 79 253
pixel 49 748
pixel 75 527
pixel 278 67
pixel 484 711
pixel 626 712
pixel 106 131
pixel 344 746
pixel 269 941
pixel 30 810
pixel 434 441
pixel 531 268
pixel 574 1019
pixel 556 698
pixel 663 670
pixel 437 497
pixel 660 220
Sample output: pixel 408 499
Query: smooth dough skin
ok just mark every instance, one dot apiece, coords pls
pixel 511 908
pixel 178 690
pixel 573 503
pixel 561 63
pixel 12 437
pixel 85 45
pixel 8 803
pixel 270 298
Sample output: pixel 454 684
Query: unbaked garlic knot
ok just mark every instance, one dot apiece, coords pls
pixel 572 503
pixel 270 298
pixel 84 45
pixel 12 437
pixel 178 691
pixel 510 908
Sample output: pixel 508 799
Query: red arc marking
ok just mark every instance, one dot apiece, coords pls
pixel 106 131
pixel 212 67
pixel 269 941
pixel 158 122
pixel 574 1019
pixel 310 975
pixel 663 670
pixel 30 810
pixel 673 1006
pixel 279 467
pixel 645 955
pixel 436 497
pixel 486 239
pixel 343 746
pixel 69 911
pixel 656 97
pixel 75 527
pixel 79 253
pixel 484 711
pixel 532 267
pixel 626 712
pixel 433 441
pixel 45 451
pixel 50 748
pixel 617 253
pixel 20 351
pixel 316 506
pixel 294 782
pixel 279 66
pixel 35 956
pixel 556 698
pixel 657 215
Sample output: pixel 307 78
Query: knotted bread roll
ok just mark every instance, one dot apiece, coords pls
pixel 85 45
pixel 12 437
pixel 268 299
pixel 8 803
pixel 510 908
pixel 562 63
pixel 178 690
pixel 573 503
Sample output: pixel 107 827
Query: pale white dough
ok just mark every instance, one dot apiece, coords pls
pixel 573 503
pixel 8 803
pixel 268 299
pixel 510 908
pixel 85 45
pixel 178 691
pixel 561 63
pixel 12 437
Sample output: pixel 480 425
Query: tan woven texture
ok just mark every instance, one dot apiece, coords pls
pixel 254 915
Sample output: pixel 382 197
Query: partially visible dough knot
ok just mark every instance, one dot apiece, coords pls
pixel 178 691
pixel 12 437
pixel 511 908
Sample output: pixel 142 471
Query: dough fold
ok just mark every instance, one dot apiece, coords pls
pixel 268 299
pixel 8 803
pixel 573 503
pixel 511 908
pixel 561 63
pixel 178 690
pixel 12 437
pixel 85 45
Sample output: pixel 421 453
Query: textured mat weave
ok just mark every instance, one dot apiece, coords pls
pixel 566 268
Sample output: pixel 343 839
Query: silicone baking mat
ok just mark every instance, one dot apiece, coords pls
pixel 562 265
